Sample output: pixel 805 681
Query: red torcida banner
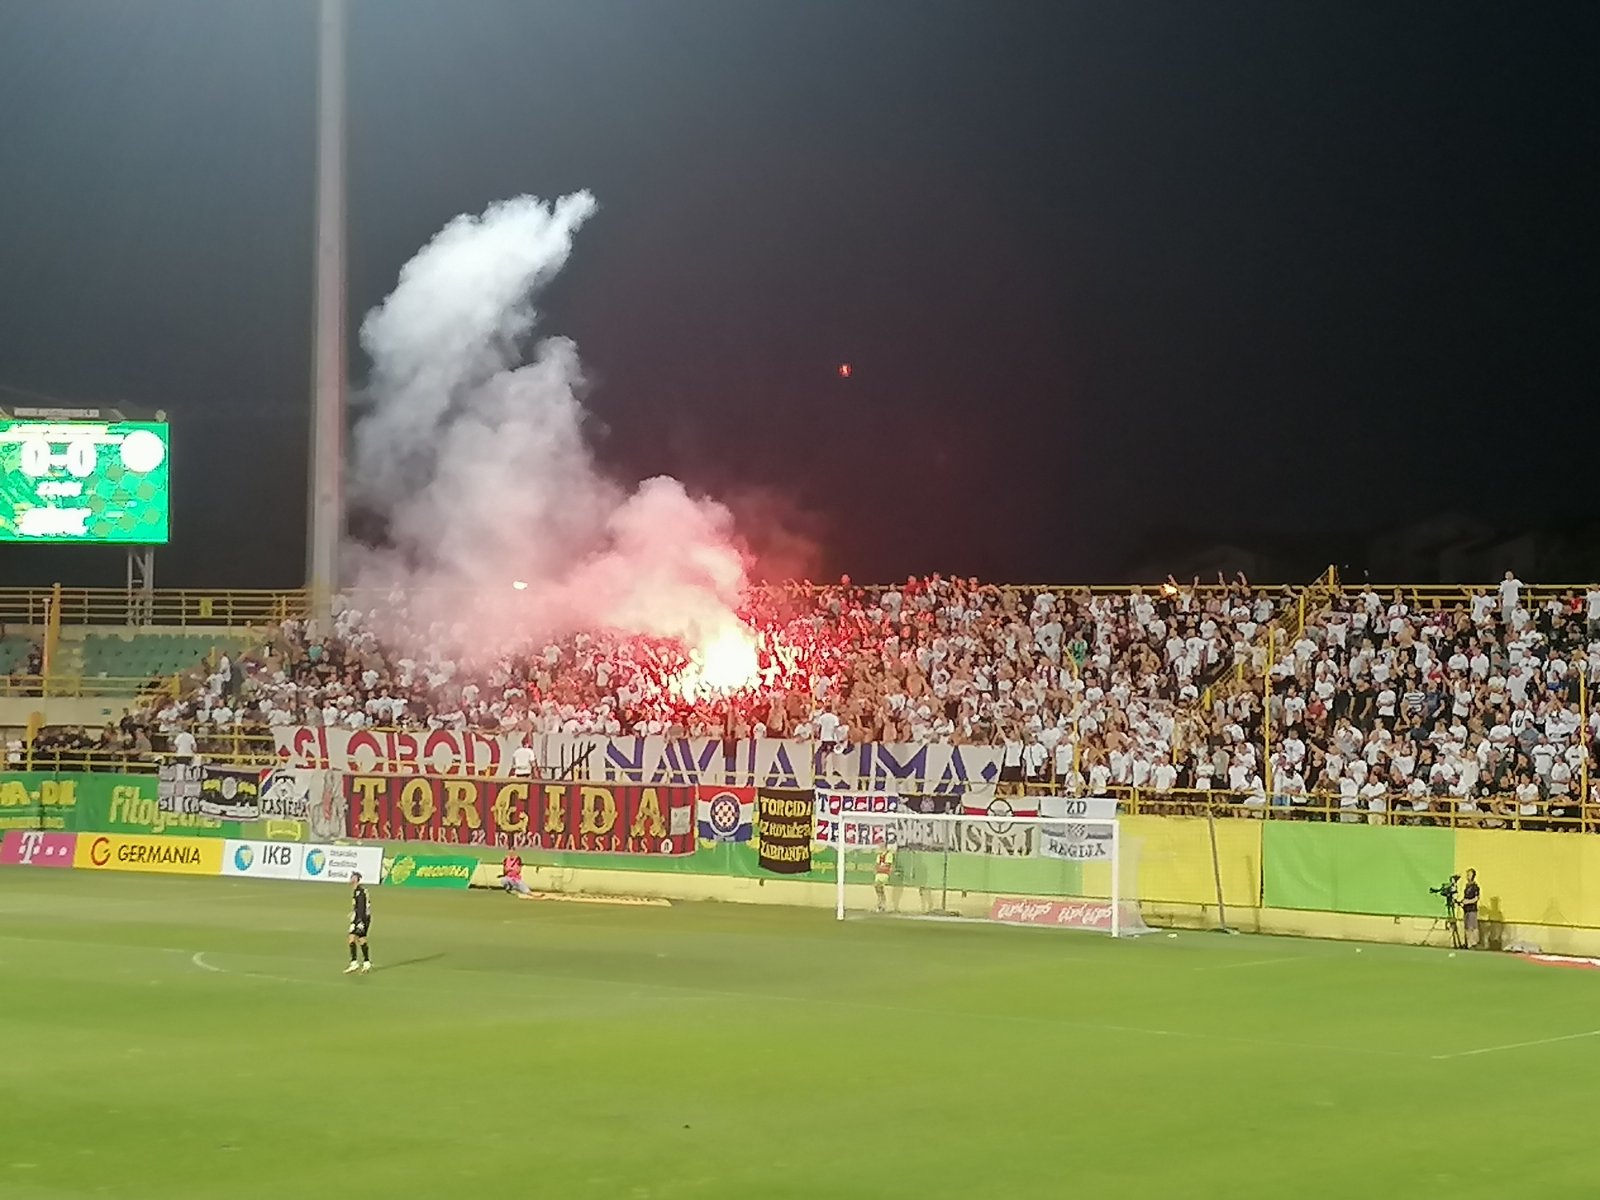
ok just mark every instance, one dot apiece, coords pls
pixel 600 818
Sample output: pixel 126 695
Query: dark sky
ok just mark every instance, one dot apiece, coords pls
pixel 1100 268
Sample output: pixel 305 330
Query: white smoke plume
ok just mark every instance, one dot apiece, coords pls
pixel 471 452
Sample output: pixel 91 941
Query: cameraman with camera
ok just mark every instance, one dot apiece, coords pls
pixel 1463 936
pixel 1469 910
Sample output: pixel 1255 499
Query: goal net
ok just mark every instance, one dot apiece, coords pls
pixel 1061 871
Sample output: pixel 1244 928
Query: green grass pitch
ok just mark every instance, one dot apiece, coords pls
pixel 173 1038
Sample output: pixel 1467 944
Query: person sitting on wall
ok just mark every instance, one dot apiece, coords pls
pixel 511 876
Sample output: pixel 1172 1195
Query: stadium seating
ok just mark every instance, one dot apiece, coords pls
pixel 14 653
pixel 149 655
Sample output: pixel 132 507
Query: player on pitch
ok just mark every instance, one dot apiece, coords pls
pixel 360 923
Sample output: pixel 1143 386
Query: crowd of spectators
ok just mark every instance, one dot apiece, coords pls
pixel 931 660
pixel 1380 707
pixel 1388 706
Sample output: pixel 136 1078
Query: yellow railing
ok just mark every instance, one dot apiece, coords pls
pixel 168 607
pixel 1438 595
pixel 1495 812
pixel 252 608
pixel 56 687
pixel 236 747
pixel 256 607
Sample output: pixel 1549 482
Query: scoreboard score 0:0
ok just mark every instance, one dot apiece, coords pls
pixel 83 481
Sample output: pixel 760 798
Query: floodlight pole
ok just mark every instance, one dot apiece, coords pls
pixel 141 585
pixel 325 502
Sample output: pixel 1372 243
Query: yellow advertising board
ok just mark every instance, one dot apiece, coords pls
pixel 134 852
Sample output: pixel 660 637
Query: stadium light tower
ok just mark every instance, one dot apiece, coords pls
pixel 325 507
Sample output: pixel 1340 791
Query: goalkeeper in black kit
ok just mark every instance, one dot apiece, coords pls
pixel 360 923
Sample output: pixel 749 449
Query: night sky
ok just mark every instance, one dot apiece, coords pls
pixel 1102 270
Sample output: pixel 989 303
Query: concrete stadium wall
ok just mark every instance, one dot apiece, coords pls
pixel 1312 879
pixel 1354 882
pixel 1247 918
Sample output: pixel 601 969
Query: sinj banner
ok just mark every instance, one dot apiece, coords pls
pixel 1073 838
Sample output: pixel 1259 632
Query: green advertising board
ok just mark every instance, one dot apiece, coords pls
pixel 405 869
pixel 100 802
pixel 1383 870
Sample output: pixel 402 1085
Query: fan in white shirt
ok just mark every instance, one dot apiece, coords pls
pixel 1034 757
pixel 1544 757
pixel 827 725
pixel 1375 795
pixel 1349 799
pixel 1294 750
pixel 1528 798
pixel 1510 595
pixel 1294 709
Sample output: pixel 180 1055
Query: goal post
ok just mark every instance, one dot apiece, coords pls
pixel 1077 873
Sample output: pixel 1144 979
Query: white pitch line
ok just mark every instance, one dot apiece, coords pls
pixel 1549 1041
pixel 199 960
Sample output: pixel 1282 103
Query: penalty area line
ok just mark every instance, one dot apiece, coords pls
pixel 1549 1041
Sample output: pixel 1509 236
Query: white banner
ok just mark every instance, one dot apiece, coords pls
pixel 335 864
pixel 262 860
pixel 1079 808
pixel 308 864
pixel 1074 839
pixel 310 798
pixel 833 824
pixel 926 769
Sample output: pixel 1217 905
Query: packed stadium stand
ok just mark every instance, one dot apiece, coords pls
pixel 1354 704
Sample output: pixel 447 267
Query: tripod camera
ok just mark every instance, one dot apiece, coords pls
pixel 1446 891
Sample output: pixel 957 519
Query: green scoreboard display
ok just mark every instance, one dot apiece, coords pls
pixel 89 482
